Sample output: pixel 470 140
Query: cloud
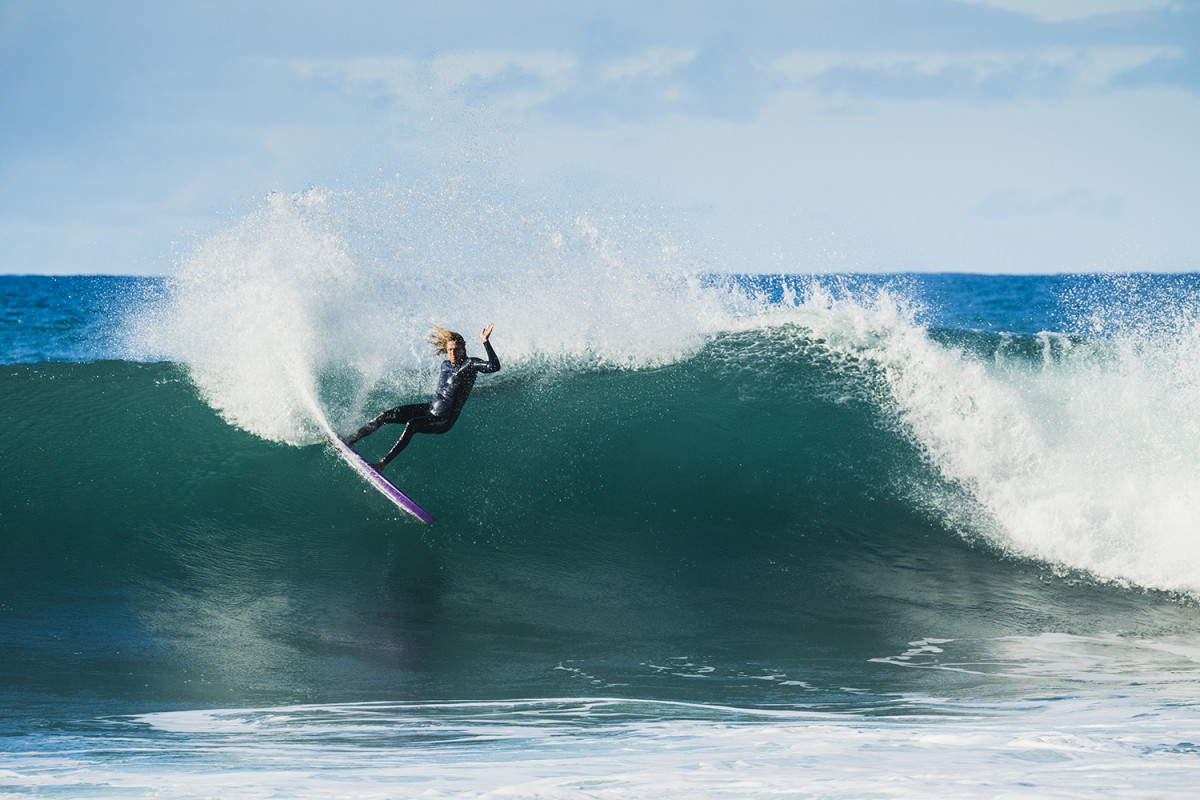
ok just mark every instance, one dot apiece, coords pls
pixel 512 81
pixel 1179 70
pixel 722 80
pixel 618 66
pixel 979 75
pixel 653 62
pixel 632 82
pixel 718 80
pixel 1064 10
pixel 391 76
pixel 956 81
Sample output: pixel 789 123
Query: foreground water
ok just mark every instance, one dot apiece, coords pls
pixel 892 536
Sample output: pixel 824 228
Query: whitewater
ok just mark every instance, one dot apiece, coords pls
pixel 705 534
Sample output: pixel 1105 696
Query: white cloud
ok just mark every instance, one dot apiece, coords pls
pixel 456 68
pixel 653 61
pixel 508 79
pixel 1064 10
pixel 1088 66
pixel 398 76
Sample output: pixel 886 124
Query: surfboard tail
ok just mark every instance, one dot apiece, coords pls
pixel 376 479
pixel 359 464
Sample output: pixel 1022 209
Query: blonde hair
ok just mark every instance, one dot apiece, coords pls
pixel 439 337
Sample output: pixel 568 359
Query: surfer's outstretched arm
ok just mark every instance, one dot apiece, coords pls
pixel 493 363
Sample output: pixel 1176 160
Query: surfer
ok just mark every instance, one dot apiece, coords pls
pixel 454 385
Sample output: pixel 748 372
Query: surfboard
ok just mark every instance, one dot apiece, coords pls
pixel 378 481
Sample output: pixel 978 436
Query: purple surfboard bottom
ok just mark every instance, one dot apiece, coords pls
pixel 378 481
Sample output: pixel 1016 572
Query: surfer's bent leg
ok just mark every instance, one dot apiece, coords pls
pixel 399 414
pixel 422 424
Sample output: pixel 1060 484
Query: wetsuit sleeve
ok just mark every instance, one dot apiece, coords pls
pixel 493 363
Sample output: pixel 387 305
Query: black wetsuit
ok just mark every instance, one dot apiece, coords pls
pixel 438 415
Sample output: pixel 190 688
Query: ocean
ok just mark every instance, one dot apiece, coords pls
pixel 704 535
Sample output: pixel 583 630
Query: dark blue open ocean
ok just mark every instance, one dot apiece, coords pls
pixel 703 536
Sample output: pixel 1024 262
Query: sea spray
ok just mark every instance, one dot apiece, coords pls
pixel 253 310
pixel 332 294
pixel 1087 458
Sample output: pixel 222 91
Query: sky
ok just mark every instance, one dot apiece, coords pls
pixel 997 136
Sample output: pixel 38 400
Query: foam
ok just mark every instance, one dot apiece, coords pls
pixel 1080 746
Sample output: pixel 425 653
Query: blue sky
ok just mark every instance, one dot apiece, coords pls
pixel 982 135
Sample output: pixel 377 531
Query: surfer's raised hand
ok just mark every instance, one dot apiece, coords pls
pixel 483 336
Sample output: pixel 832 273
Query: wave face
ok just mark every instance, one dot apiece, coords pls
pixel 684 487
